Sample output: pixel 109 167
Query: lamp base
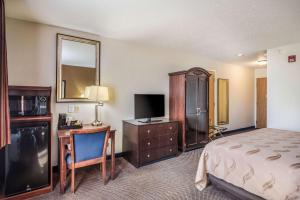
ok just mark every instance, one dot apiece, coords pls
pixel 96 123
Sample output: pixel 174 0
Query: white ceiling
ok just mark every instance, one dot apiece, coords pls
pixel 219 29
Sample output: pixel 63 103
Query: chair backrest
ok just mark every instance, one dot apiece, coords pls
pixel 89 144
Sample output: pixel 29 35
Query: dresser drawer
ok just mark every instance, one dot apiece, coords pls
pixel 148 131
pixel 149 143
pixel 168 128
pixel 168 151
pixel 148 156
pixel 167 140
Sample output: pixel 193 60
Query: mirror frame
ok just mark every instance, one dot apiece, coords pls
pixel 59 38
pixel 219 121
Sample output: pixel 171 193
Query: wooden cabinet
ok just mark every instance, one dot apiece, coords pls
pixel 146 143
pixel 189 105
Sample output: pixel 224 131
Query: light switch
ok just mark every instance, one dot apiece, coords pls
pixel 76 108
pixel 71 108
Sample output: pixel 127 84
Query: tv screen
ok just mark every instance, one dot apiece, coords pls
pixel 149 105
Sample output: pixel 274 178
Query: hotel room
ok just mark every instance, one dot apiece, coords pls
pixel 139 99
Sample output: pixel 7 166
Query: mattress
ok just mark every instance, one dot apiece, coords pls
pixel 264 162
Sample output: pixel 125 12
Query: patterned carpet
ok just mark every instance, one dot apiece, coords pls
pixel 168 179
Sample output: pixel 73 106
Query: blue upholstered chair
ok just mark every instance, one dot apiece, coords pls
pixel 88 147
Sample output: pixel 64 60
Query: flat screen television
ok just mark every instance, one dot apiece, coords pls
pixel 149 106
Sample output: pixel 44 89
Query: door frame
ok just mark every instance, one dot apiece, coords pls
pixel 212 98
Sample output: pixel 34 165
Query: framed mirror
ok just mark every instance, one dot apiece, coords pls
pixel 223 101
pixel 78 66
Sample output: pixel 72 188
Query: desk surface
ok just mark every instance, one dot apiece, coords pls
pixel 66 133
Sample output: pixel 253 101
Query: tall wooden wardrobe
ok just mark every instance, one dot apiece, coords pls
pixel 188 104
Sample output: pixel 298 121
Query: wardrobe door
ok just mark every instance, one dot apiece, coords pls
pixel 202 106
pixel 191 110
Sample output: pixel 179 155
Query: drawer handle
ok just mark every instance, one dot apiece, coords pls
pixel 171 150
pixel 171 139
pixel 148 156
pixel 148 143
pixel 148 131
pixel 170 127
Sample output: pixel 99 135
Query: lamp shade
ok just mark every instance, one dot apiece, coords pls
pixel 97 93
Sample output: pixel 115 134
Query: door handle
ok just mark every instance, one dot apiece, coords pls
pixel 199 111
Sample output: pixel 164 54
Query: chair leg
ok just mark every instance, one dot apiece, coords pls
pixel 104 171
pixel 73 181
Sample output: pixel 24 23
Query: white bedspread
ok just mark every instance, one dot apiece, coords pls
pixel 265 162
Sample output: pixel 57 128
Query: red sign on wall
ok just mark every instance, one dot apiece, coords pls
pixel 292 58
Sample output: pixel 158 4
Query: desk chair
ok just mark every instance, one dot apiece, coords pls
pixel 88 147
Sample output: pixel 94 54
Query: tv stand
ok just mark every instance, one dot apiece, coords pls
pixel 149 120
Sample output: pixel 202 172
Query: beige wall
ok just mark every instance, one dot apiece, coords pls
pixel 283 88
pixel 126 68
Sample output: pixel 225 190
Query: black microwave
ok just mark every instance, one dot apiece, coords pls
pixel 28 105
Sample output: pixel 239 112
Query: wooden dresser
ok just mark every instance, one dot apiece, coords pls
pixel 144 143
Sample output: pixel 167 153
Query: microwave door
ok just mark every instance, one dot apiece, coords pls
pixel 30 105
pixel 15 105
pixel 22 113
pixel 35 106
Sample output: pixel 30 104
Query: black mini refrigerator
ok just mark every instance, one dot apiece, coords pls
pixel 26 159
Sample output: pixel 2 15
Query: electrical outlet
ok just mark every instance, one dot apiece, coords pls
pixel 71 108
pixel 76 108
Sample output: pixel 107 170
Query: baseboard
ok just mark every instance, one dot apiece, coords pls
pixel 117 155
pixel 250 128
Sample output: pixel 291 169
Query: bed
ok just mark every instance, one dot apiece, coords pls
pixel 264 163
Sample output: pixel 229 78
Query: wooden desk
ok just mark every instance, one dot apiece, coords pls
pixel 64 140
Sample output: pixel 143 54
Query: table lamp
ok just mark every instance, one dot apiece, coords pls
pixel 99 94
